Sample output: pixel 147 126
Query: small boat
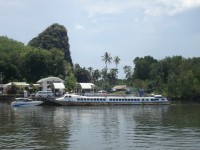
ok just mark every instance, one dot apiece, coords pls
pixel 72 99
pixel 25 102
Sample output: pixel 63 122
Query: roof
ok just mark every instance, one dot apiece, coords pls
pixel 22 84
pixel 58 85
pixel 86 85
pixel 50 79
pixel 119 87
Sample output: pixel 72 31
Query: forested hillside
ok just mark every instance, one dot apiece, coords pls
pixel 55 36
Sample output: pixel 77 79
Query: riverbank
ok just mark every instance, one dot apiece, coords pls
pixel 9 97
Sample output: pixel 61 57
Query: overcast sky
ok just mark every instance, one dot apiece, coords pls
pixel 124 28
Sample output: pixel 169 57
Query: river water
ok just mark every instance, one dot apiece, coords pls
pixel 167 127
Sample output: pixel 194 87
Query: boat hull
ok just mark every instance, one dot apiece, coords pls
pixel 20 104
pixel 71 103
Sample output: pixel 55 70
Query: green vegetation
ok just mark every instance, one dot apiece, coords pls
pixel 25 63
pixel 55 36
pixel 175 77
pixel 49 55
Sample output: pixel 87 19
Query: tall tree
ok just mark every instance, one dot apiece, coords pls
pixel 112 76
pixel 90 69
pixel 107 59
pixel 96 75
pixel 143 67
pixel 128 71
pixel 116 60
pixel 81 74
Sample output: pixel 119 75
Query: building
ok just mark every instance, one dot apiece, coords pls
pixel 84 87
pixel 119 88
pixel 21 85
pixel 51 83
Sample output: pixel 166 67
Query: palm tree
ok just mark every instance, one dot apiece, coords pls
pixel 116 60
pixel 107 59
pixel 90 69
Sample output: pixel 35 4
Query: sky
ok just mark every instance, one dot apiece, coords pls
pixel 127 29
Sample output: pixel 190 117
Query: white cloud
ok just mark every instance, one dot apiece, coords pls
pixel 185 5
pixel 108 7
pixel 153 7
pixel 79 27
pixel 170 7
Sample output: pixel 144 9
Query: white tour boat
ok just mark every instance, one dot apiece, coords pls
pixel 25 102
pixel 73 99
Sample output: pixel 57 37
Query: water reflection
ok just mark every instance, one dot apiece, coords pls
pixel 38 127
pixel 100 127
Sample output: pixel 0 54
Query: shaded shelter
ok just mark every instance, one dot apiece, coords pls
pixel 84 87
pixel 18 84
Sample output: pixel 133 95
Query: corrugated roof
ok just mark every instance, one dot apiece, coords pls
pixel 86 85
pixel 49 79
pixel 119 87
pixel 22 84
pixel 59 85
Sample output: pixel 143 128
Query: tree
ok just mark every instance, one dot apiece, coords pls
pixel 107 59
pixel 70 82
pixel 112 76
pixel 96 75
pixel 37 64
pixel 128 71
pixel 116 60
pixel 143 67
pixel 90 69
pixel 58 67
pixel 81 74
